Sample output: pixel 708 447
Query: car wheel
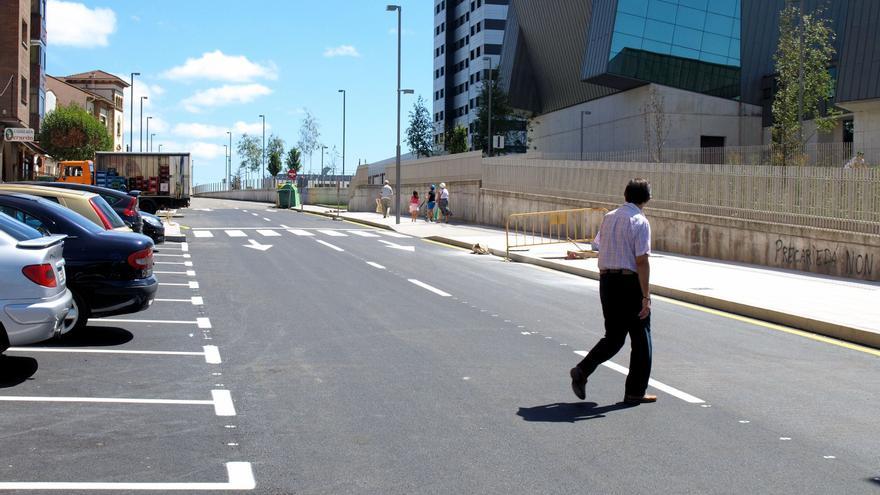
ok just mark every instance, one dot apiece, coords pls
pixel 80 318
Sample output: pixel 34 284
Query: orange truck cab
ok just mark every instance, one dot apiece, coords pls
pixel 79 172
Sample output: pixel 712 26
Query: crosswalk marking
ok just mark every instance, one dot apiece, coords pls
pixel 394 234
pixel 362 233
pixel 269 233
pixel 333 233
pixel 202 233
pixel 235 233
pixel 304 233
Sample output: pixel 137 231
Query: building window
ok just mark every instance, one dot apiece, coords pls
pixel 479 24
pixel 24 90
pixel 478 51
pixel 118 129
pixel 473 6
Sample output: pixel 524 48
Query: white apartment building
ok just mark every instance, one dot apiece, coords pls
pixel 467 44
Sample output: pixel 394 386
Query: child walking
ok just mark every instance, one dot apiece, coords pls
pixel 414 206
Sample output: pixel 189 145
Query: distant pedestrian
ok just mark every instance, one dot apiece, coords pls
pixel 429 206
pixel 624 242
pixel 387 194
pixel 414 206
pixel 857 161
pixel 444 202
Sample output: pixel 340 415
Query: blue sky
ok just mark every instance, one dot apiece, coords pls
pixel 209 66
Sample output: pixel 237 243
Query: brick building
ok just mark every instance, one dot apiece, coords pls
pixel 99 93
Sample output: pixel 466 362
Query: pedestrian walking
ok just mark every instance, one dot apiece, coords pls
pixel 624 243
pixel 857 161
pixel 444 202
pixel 414 205
pixel 387 194
pixel 429 206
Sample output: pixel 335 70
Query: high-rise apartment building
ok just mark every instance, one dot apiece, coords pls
pixel 467 45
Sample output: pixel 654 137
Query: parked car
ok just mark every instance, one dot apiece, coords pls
pixel 35 304
pixel 87 204
pixel 153 227
pixel 124 204
pixel 108 272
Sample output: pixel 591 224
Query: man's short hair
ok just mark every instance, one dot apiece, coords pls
pixel 638 191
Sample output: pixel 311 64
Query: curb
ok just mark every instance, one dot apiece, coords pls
pixel 840 332
pixel 349 219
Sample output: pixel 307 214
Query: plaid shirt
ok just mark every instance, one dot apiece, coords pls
pixel 625 234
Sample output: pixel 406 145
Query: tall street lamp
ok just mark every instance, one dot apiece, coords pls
pixel 263 151
pixel 229 158
pixel 343 152
pixel 489 119
pixel 151 140
pixel 141 128
pixel 131 116
pixel 392 8
pixel 583 112
pixel 148 131
pixel 160 147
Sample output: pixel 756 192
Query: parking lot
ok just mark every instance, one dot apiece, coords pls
pixel 132 402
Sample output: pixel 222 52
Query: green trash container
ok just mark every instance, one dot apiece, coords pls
pixel 288 196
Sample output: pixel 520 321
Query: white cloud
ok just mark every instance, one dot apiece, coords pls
pixel 208 131
pixel 342 51
pixel 217 66
pixel 206 151
pixel 255 128
pixel 224 95
pixel 74 24
pixel 151 91
pixel 136 18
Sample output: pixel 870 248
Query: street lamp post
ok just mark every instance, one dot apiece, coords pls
pixel 160 147
pixel 322 163
pixel 229 158
pixel 343 152
pixel 151 140
pixel 263 152
pixel 131 116
pixel 148 131
pixel 392 8
pixel 489 119
pixel 583 112
pixel 141 129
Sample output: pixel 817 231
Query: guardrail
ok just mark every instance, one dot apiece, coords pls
pixel 579 225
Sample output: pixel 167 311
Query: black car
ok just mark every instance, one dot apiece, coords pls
pixel 109 273
pixel 153 227
pixel 124 204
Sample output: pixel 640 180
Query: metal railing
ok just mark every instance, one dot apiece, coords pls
pixel 820 197
pixel 268 184
pixel 579 225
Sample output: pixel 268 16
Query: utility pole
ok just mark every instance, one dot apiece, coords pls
pixel 583 112
pixel 343 152
pixel 141 129
pixel 489 60
pixel 148 132
pixel 396 196
pixel 801 78
pixel 263 149
pixel 229 159
pixel 131 117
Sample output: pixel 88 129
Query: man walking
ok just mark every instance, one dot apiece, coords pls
pixel 624 242
pixel 387 194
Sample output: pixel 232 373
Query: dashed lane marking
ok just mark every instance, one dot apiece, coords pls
pixel 363 233
pixel 375 265
pixel 331 246
pixel 430 288
pixel 333 233
pixel 266 219
pixel 652 382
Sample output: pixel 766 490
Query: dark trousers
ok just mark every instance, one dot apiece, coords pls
pixel 621 298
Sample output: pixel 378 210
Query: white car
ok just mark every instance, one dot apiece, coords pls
pixel 35 304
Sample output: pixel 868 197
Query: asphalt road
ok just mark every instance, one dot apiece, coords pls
pixel 359 362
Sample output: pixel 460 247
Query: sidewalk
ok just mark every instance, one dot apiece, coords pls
pixel 840 308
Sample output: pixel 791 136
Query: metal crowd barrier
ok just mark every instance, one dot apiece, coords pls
pixel 578 226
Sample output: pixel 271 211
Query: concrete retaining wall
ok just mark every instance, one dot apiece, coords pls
pixel 312 195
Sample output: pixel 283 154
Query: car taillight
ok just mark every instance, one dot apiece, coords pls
pixel 131 209
pixel 141 260
pixel 101 215
pixel 41 274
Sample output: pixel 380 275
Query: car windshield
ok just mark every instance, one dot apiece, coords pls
pixel 107 210
pixel 16 229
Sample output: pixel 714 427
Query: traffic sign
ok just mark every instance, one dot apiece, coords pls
pixel 291 174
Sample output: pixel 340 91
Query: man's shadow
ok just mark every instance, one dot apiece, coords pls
pixel 568 412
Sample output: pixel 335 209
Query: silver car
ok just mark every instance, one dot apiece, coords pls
pixel 35 303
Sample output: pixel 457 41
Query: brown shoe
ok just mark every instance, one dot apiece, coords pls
pixel 636 399
pixel 578 383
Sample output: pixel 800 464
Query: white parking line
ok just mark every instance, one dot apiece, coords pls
pixel 170 284
pixel 652 382
pixel 184 246
pixel 235 233
pixel 187 256
pixel 240 475
pixel 203 322
pixel 193 285
pixel 175 273
pixel 331 246
pixel 221 400
pixel 223 405
pixel 202 233
pixel 375 265
pixel 363 233
pixel 170 322
pixel 194 300
pixel 428 287
pixel 269 233
pixel 332 233
pixel 300 232
pixel 211 352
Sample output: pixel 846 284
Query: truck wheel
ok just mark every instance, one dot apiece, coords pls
pixel 148 206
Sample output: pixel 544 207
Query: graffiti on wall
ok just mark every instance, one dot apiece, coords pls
pixel 838 258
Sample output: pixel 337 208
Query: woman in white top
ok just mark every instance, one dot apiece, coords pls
pixel 444 202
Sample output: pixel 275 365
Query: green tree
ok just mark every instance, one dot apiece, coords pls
pixel 293 160
pixel 249 149
pixel 806 37
pixel 274 151
pixel 456 141
pixel 309 134
pixel 71 133
pixel 502 114
pixel 419 134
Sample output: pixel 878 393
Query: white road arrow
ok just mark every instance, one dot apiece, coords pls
pixel 398 246
pixel 256 245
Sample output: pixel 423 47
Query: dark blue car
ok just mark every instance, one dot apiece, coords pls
pixel 109 273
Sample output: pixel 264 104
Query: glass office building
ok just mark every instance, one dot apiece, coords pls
pixel 688 44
